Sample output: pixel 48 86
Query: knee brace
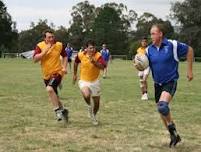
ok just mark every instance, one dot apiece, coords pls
pixel 163 108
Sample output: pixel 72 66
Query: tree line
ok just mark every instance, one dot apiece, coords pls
pixel 110 23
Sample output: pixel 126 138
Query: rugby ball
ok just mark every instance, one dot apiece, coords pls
pixel 141 62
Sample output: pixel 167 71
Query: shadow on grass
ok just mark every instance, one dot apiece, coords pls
pixel 181 147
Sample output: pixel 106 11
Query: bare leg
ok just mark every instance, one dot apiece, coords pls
pixel 53 97
pixel 96 101
pixel 70 66
pixel 86 94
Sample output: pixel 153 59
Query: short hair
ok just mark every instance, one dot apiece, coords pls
pixel 47 31
pixel 161 27
pixel 90 42
pixel 144 38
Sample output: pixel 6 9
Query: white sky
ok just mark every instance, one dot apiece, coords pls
pixel 58 12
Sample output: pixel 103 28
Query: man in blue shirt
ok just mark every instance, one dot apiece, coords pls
pixel 105 53
pixel 69 52
pixel 163 58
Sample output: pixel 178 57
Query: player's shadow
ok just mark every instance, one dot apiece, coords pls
pixel 105 78
pixel 180 147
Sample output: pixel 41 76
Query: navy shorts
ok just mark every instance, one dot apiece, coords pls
pixel 169 87
pixel 69 60
pixel 54 81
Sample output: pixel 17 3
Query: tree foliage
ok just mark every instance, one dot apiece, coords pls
pixel 29 38
pixel 146 20
pixel 83 15
pixel 109 28
pixel 106 24
pixel 8 32
pixel 188 14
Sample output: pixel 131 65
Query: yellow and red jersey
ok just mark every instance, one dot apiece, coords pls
pixel 50 62
pixel 88 71
pixel 141 50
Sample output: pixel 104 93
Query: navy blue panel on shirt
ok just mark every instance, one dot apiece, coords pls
pixel 105 54
pixel 162 63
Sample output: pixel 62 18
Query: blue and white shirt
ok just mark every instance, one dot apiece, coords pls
pixel 105 53
pixel 164 61
pixel 69 52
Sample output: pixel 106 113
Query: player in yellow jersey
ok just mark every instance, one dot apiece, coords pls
pixel 48 52
pixel 143 75
pixel 91 62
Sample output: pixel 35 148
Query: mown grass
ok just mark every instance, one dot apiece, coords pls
pixel 127 124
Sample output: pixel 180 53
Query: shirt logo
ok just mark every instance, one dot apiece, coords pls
pixel 166 49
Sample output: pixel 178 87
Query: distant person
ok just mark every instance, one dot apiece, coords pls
pixel 48 53
pixel 106 56
pixel 164 55
pixel 69 52
pixel 143 75
pixel 91 62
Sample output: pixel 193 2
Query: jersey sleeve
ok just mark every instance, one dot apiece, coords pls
pixel 37 50
pixel 101 61
pixel 77 59
pixel 63 52
pixel 182 49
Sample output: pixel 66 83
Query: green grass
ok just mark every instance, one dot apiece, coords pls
pixel 27 122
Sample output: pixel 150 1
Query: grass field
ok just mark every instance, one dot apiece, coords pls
pixel 27 122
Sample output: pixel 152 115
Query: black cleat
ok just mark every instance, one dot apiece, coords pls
pixel 174 137
pixel 58 115
pixel 65 115
pixel 174 140
pixel 62 114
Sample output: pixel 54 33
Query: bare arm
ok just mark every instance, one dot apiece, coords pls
pixel 75 72
pixel 190 58
pixel 64 64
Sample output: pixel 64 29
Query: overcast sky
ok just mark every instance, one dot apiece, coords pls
pixel 58 11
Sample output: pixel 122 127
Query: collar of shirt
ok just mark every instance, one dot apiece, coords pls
pixel 164 43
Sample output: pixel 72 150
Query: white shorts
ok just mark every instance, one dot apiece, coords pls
pixel 144 73
pixel 93 86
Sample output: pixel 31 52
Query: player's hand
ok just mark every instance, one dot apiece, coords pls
pixel 64 70
pixel 91 59
pixel 74 79
pixel 47 49
pixel 190 75
pixel 49 46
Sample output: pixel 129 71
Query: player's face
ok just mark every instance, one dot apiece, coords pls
pixel 49 38
pixel 144 43
pixel 156 35
pixel 90 50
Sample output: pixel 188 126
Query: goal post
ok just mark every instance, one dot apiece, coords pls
pixel 10 55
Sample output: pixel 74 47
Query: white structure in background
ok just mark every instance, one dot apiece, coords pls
pixel 27 55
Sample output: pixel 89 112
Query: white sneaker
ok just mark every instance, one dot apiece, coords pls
pixel 94 120
pixel 144 96
pixel 59 115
